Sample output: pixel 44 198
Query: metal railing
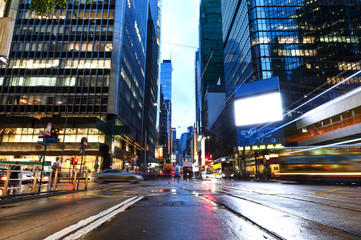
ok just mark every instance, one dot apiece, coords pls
pixel 34 181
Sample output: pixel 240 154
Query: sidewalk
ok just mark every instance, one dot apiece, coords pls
pixel 62 188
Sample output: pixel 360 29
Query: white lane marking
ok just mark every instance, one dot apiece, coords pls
pixel 82 223
pixel 81 232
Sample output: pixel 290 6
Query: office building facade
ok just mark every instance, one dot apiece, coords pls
pixel 211 51
pixel 310 45
pixel 83 70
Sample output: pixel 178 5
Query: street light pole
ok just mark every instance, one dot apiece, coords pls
pixel 66 121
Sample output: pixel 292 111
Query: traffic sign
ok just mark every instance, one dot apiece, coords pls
pixel 48 134
pixel 51 140
pixel 44 143
pixel 84 142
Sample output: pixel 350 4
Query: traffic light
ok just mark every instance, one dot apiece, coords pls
pixel 54 133
pixel 73 161
pixel 207 160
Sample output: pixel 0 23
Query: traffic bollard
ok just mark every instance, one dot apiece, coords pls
pixel 35 180
pixel 6 184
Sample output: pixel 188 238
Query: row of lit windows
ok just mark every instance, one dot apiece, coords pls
pixel 71 135
pixel 306 40
pixel 48 100
pixel 55 63
pixel 297 52
pixel 341 39
pixel 62 47
pixel 335 80
pixel 53 81
pixel 83 14
pixel 66 29
pixel 68 138
pixel 349 66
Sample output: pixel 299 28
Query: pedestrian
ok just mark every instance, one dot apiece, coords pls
pixel 56 166
pixel 14 176
pixel 177 172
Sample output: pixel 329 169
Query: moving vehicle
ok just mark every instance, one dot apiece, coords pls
pixel 187 167
pixel 223 167
pixel 115 175
pixel 3 172
pixel 319 164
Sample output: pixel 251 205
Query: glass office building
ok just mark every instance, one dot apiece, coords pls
pixel 165 110
pixel 311 45
pixel 166 78
pixel 80 64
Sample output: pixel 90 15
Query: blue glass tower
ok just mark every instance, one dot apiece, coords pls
pixel 165 114
pixel 166 78
pixel 309 45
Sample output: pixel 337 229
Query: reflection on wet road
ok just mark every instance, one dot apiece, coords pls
pixel 193 209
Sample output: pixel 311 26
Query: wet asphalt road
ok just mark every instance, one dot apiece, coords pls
pixel 196 209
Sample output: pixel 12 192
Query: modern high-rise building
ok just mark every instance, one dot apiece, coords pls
pixel 150 134
pixel 309 45
pixel 211 50
pixel 82 69
pixel 165 114
pixel 211 62
pixel 198 92
pixel 166 79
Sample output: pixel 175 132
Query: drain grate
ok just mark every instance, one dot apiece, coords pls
pixel 169 204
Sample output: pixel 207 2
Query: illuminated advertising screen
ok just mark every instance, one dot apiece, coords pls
pixel 258 113
pixel 259 109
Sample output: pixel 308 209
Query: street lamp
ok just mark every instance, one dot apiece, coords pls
pixel 66 121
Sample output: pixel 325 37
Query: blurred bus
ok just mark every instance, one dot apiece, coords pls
pixel 223 167
pixel 317 164
pixel 187 167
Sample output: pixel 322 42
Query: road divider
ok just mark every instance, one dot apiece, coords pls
pixel 85 226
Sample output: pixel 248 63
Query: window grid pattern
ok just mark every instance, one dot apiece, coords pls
pixel 60 63
pixel 307 44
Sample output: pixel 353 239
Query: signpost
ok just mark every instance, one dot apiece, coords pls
pixel 47 139
pixel 84 145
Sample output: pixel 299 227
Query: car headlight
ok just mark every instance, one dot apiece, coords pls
pixel 232 175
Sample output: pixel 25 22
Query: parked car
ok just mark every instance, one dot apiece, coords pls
pixel 115 175
pixel 3 172
pixel 26 176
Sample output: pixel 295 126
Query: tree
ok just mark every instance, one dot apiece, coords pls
pixel 45 7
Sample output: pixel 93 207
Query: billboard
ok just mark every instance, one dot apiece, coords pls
pixel 258 113
pixel 259 109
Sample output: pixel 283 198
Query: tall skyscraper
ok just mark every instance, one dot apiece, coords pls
pixel 150 134
pixel 165 115
pixel 211 51
pixel 82 69
pixel 198 92
pixel 312 46
pixel 166 78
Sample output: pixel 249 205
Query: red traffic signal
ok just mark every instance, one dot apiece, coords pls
pixel 73 161
pixel 207 160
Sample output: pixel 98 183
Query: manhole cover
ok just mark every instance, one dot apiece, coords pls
pixel 170 204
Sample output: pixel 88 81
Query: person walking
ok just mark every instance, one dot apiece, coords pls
pixel 177 172
pixel 56 166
